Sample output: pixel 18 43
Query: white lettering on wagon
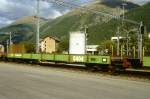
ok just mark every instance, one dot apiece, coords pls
pixel 78 58
pixel 18 55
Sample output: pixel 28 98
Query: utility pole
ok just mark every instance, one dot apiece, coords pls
pixel 123 15
pixel 118 41
pixel 127 44
pixel 85 31
pixel 140 41
pixel 10 38
pixel 10 42
pixel 38 27
pixel 127 35
pixel 7 42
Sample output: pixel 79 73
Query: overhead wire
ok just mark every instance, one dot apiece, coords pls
pixel 97 12
pixel 72 5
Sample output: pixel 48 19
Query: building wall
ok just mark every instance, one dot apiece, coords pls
pixel 1 49
pixel 49 45
pixel 92 49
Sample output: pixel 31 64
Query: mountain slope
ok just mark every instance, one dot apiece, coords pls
pixel 116 3
pixel 109 29
pixel 28 20
pixel 141 14
pixel 23 29
pixel 77 19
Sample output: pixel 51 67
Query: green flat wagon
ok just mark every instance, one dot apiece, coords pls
pixel 146 61
pixel 63 58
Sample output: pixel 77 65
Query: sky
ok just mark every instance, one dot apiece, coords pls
pixel 11 10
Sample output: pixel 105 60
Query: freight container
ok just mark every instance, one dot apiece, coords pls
pixel 17 48
pixel 77 43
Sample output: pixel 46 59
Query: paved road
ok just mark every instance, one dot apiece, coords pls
pixel 25 82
